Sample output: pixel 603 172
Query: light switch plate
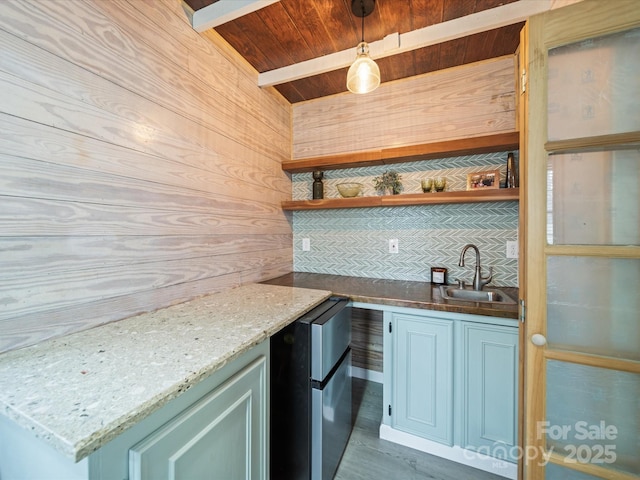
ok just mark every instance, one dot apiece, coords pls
pixel 393 245
pixel 306 244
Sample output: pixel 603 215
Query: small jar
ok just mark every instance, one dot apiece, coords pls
pixel 439 275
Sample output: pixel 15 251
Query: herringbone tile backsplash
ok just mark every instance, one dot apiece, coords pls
pixel 355 241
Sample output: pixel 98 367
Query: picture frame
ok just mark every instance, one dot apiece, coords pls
pixel 484 180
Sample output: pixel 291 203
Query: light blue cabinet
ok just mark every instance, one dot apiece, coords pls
pixel 450 386
pixel 223 435
pixel 216 429
pixel 489 357
pixel 422 381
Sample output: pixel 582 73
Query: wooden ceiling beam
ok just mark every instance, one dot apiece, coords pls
pixel 399 43
pixel 224 11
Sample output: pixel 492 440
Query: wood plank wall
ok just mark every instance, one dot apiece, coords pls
pixel 461 102
pixel 140 165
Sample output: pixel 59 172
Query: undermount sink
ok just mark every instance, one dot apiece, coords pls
pixel 483 296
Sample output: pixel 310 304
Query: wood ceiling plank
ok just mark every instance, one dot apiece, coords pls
pixel 198 4
pixel 394 68
pixel 265 40
pixel 509 38
pixel 235 35
pixel 487 4
pixel 340 24
pixel 321 85
pixel 453 9
pixel 289 91
pixel 397 17
pixel 479 45
pixel 283 30
pixel 312 29
pixel 452 53
pixel 426 59
pixel 375 27
pixel 425 13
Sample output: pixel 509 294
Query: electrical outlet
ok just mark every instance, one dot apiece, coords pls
pixel 512 249
pixel 393 245
pixel 306 244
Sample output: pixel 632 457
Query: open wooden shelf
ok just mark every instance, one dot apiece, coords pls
pixel 468 196
pixel 451 148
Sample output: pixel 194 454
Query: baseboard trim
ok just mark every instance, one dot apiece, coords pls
pixel 454 453
pixel 365 374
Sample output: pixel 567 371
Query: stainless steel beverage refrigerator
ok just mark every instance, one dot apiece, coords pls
pixel 311 393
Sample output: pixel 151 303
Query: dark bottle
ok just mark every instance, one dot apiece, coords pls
pixel 318 187
pixel 512 178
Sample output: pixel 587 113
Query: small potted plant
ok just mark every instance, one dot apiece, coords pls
pixel 388 181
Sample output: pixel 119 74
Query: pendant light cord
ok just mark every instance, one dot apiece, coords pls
pixel 362 30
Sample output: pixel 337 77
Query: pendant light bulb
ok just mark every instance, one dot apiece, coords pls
pixel 364 74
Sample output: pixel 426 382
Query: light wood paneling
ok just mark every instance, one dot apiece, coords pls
pixel 141 166
pixel 472 100
pixel 426 151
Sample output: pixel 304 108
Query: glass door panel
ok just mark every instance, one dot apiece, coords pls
pixel 593 87
pixel 594 198
pixel 593 415
pixel 593 305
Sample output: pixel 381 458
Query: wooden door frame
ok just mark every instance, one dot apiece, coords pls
pixel 522 93
pixel 552 29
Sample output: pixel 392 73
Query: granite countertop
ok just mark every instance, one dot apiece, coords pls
pixel 396 293
pixel 80 391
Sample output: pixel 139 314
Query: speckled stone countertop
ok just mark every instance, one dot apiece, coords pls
pixel 396 293
pixel 80 391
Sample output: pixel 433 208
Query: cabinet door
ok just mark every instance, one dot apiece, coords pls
pixel 490 381
pixel 221 436
pixel 422 382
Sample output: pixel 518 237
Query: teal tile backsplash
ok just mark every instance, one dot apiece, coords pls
pixel 356 241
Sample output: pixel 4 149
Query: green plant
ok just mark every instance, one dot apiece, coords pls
pixel 389 180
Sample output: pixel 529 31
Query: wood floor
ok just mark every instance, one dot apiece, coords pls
pixel 369 458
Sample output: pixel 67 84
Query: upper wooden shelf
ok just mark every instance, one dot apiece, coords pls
pixel 469 196
pixel 426 151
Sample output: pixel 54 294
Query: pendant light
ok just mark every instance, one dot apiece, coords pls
pixel 363 75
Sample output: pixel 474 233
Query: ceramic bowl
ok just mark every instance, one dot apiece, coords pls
pixel 348 190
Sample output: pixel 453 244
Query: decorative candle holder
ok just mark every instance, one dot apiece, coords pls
pixel 318 187
pixel 440 183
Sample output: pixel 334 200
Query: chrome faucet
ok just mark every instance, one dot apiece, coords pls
pixel 478 281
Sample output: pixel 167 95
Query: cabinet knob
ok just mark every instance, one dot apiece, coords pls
pixel 538 339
